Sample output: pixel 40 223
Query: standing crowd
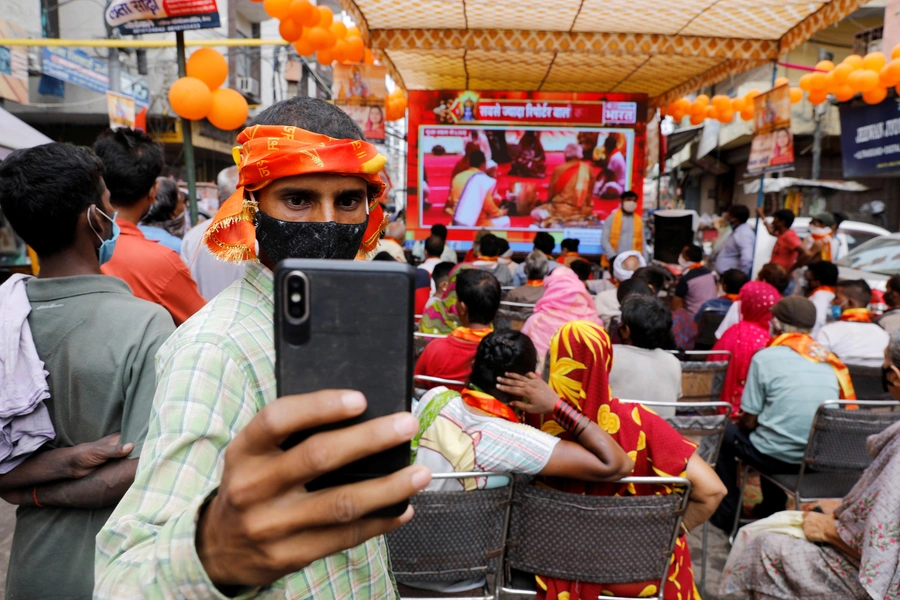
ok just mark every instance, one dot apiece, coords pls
pixel 143 438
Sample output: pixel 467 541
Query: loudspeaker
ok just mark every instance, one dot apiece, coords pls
pixel 672 235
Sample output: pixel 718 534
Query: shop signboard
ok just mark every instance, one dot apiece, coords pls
pixel 13 65
pixel 135 17
pixel 77 67
pixel 870 138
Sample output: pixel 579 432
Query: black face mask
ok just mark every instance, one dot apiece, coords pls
pixel 288 239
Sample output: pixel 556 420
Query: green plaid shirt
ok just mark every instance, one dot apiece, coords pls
pixel 214 374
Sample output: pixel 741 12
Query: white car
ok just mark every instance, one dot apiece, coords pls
pixel 875 261
pixel 857 234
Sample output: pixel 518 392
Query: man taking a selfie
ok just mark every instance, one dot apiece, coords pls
pixel 217 508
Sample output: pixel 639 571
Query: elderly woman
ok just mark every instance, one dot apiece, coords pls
pixel 580 361
pixel 166 220
pixel 851 550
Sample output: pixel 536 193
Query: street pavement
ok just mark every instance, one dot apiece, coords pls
pixel 718 551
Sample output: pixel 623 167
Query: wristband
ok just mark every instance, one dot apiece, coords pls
pixel 568 417
pixel 34 497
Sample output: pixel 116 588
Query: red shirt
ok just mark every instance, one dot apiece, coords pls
pixel 447 358
pixel 786 250
pixel 154 273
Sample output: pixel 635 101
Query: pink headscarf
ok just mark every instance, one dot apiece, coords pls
pixel 565 299
pixel 746 338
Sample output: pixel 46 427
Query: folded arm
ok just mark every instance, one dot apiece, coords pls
pixel 103 487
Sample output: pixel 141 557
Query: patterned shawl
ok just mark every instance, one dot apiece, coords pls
pixel 442 315
pixel 269 152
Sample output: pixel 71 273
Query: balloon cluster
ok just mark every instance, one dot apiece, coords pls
pixel 313 30
pixel 870 75
pixel 395 105
pixel 199 95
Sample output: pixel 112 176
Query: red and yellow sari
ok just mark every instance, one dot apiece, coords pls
pixel 580 361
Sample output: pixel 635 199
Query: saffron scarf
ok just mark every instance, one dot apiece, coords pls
pixel 488 404
pixel 732 297
pixel 568 255
pixel 615 233
pixel 857 315
pixel 442 317
pixel 565 299
pixel 535 283
pixel 581 357
pixel 470 335
pixel 269 152
pixel 745 338
pixel 823 288
pixel 811 350
pixel 826 246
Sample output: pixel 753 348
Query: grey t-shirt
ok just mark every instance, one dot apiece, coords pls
pixel 98 343
pixel 649 375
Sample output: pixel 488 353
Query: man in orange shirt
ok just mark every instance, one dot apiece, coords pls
pixel 132 162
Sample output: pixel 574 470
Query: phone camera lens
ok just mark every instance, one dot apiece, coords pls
pixel 296 297
pixel 296 311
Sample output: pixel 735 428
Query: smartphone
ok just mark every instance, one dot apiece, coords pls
pixel 346 324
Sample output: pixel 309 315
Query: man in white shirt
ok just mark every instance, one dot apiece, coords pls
pixel 855 338
pixel 434 248
pixel 211 274
pixel 393 241
pixel 821 279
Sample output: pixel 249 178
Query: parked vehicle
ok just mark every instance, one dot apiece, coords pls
pixel 875 261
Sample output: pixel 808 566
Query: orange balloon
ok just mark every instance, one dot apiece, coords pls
pixel 340 51
pixel 875 96
pixel 854 60
pixel 229 109
pixel 712 112
pixel 304 13
pixel 190 98
pixel 817 97
pixel 752 94
pixel 353 30
pixel 290 31
pixel 369 57
pixel 817 82
pixel 895 52
pixel 721 102
pixel 796 95
pixel 325 57
pixel 782 81
pixel 854 81
pixel 844 93
pixel 277 9
pixel 702 100
pixel 841 72
pixel 868 81
pixel 318 38
pixel 356 50
pixel 738 104
pixel 209 66
pixel 874 61
pixel 339 30
pixel 726 116
pixel 830 83
pixel 302 45
pixel 685 105
pixel 326 17
pixel 698 108
pixel 697 119
pixel 747 113
pixel 805 82
pixel 890 74
pixel 824 65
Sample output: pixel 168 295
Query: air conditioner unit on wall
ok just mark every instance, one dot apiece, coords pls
pixel 248 86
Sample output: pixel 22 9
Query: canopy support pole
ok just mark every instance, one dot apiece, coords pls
pixel 186 136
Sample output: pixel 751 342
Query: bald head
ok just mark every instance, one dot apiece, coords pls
pixel 632 263
pixel 396 230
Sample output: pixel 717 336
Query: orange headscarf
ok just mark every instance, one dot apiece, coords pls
pixel 269 152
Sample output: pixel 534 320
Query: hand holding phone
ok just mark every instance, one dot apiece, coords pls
pixel 263 524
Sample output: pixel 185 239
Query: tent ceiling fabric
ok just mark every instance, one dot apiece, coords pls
pixel 663 50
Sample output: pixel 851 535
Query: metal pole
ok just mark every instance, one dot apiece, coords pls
pixel 761 195
pixel 660 161
pixel 189 166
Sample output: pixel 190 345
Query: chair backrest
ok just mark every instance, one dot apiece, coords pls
pixel 702 381
pixel 453 535
pixel 701 422
pixel 837 439
pixel 435 381
pixel 867 382
pixel 709 322
pixel 512 315
pixel 601 539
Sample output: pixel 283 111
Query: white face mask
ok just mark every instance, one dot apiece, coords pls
pixel 629 206
pixel 819 230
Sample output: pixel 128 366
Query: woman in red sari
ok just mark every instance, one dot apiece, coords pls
pixel 746 338
pixel 580 361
